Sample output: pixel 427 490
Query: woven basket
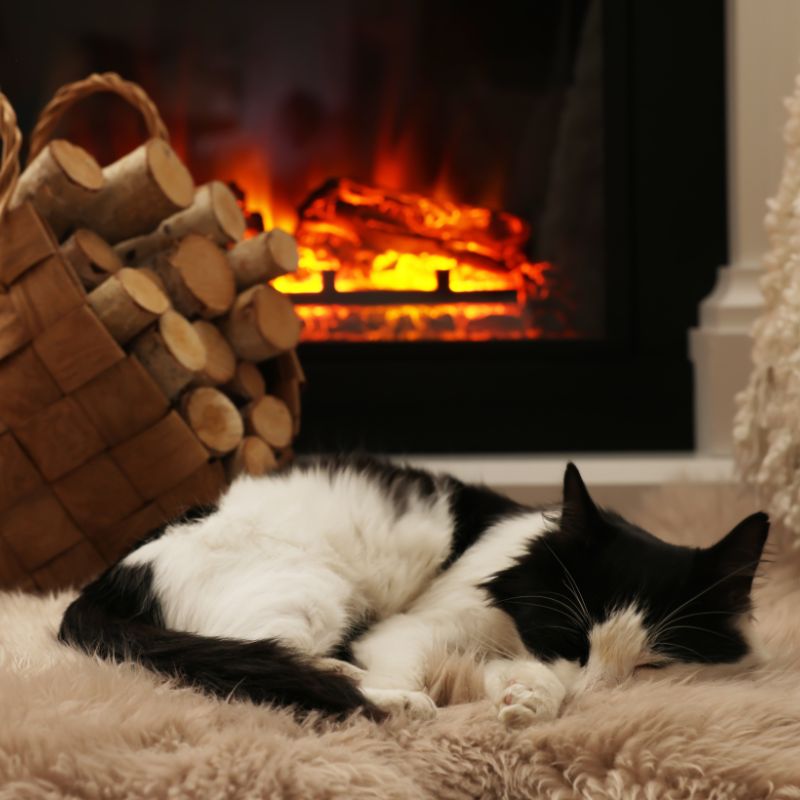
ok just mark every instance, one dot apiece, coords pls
pixel 92 454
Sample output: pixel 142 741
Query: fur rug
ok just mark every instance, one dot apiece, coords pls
pixel 73 727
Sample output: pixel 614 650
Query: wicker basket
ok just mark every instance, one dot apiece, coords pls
pixel 92 453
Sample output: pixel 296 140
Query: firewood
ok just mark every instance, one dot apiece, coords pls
pixel 172 353
pixel 252 457
pixel 261 324
pixel 197 276
pixel 266 256
pixel 127 303
pixel 214 419
pixel 220 365
pixel 92 258
pixel 60 183
pixel 269 418
pixel 141 189
pixel 214 213
pixel 247 383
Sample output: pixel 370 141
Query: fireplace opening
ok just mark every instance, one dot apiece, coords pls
pixel 508 213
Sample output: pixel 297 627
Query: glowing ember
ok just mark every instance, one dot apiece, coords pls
pixel 384 265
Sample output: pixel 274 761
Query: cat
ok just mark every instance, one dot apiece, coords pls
pixel 327 587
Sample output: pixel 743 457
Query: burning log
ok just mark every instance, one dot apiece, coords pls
pixel 269 418
pixel 172 353
pixel 127 303
pixel 220 365
pixel 141 189
pixel 252 457
pixel 60 183
pixel 263 258
pixel 197 277
pixel 91 257
pixel 261 324
pixel 358 217
pixel 214 419
pixel 213 213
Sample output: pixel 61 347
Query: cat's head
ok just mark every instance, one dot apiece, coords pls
pixel 611 598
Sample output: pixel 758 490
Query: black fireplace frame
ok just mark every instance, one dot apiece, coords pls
pixel 666 227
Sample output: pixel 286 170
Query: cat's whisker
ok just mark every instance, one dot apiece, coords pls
pixel 572 585
pixel 669 617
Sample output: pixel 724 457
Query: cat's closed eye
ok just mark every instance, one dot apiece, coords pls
pixel 650 665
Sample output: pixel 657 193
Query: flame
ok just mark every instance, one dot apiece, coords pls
pixel 373 242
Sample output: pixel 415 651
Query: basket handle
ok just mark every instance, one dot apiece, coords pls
pixel 71 93
pixel 11 139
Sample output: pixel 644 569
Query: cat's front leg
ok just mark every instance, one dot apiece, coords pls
pixel 524 691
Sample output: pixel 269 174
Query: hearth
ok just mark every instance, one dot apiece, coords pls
pixel 506 215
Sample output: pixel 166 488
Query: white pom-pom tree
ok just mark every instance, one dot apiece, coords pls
pixel 767 424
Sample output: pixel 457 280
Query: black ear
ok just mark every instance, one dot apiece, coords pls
pixel 579 508
pixel 733 560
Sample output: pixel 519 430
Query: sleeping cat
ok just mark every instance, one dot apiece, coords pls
pixel 329 585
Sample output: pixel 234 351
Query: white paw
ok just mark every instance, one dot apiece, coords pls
pixel 342 667
pixel 525 692
pixel 416 705
pixel 523 706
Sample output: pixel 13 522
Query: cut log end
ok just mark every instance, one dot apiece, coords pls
pixel 78 165
pixel 253 457
pixel 214 419
pixel 182 341
pixel 220 359
pixel 205 276
pixel 226 210
pixel 169 173
pixel 93 259
pixel 247 383
pixel 269 418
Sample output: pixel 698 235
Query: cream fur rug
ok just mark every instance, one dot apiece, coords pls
pixel 71 727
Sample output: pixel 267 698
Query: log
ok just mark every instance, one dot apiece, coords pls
pixel 197 276
pixel 252 457
pixel 60 183
pixel 92 258
pixel 172 353
pixel 264 257
pixel 127 303
pixel 141 189
pixel 269 418
pixel 214 419
pixel 213 213
pixel 220 365
pixel 247 383
pixel 261 324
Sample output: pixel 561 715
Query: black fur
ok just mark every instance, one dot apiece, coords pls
pixel 611 564
pixel 475 509
pixel 118 617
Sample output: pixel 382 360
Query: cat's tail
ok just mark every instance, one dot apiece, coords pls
pixel 116 618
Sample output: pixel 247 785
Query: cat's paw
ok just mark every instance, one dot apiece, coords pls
pixel 416 705
pixel 523 706
pixel 525 692
pixel 341 667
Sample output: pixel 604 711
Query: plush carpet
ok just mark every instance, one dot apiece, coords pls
pixel 73 727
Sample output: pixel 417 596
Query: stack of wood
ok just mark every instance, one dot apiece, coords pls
pixel 134 318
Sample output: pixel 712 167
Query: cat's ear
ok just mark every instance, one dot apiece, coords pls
pixel 732 562
pixel 578 504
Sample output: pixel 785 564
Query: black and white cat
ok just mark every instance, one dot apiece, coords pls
pixel 329 585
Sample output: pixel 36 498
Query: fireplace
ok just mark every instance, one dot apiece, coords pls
pixel 506 215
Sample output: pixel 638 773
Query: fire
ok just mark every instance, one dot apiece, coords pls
pixel 387 265
pixel 378 263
